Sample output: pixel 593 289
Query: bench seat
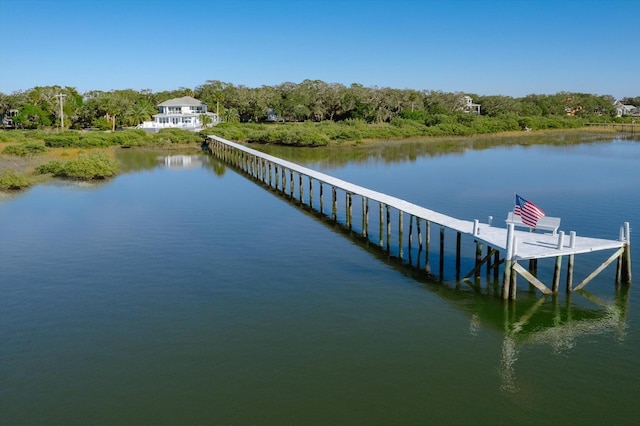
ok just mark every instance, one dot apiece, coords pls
pixel 545 223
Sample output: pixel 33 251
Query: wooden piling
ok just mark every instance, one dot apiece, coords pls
pixel 365 217
pixel 570 273
pixel 556 274
pixel 478 260
pixel 441 253
pixel 400 232
pixel 334 204
pixel 458 254
pixel 427 240
pixel 300 187
pixel 349 210
pixel 380 235
pixel 388 228
pixel 410 241
pixel 291 184
pixel 626 257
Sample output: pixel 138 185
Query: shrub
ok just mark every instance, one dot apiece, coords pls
pixel 54 167
pixel 25 149
pixel 88 167
pixel 177 136
pixel 10 180
pixel 62 140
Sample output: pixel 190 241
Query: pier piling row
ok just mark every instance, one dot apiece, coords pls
pixel 505 247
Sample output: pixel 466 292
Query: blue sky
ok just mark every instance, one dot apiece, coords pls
pixel 511 48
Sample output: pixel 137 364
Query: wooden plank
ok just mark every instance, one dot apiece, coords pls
pixel 599 269
pixel 533 280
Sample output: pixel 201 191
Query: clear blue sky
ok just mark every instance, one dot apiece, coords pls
pixel 511 47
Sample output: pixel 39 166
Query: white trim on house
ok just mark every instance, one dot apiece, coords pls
pixel 180 113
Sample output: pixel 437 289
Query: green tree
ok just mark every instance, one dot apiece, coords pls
pixel 139 112
pixel 32 117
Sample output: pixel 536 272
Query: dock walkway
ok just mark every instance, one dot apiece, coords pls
pixel 507 244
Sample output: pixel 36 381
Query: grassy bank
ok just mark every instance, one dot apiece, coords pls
pixel 439 125
pixel 31 157
pixel 28 158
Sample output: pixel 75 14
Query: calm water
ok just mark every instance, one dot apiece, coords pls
pixel 193 296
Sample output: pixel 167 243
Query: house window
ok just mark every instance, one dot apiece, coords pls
pixel 186 120
pixel 175 110
pixel 175 120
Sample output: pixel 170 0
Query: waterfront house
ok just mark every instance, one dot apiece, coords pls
pixel 469 106
pixel 181 113
pixel 622 109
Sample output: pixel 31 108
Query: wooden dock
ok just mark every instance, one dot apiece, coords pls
pixel 506 246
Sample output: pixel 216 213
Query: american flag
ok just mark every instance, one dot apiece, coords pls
pixel 529 212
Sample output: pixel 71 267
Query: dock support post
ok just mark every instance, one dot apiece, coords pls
pixel 570 273
pixel 291 184
pixel 365 217
pixel 533 270
pixel 310 192
pixel 410 239
pixel 321 198
pixel 301 190
pixel 427 241
pixel 508 264
pixel 380 234
pixel 626 256
pixel 476 276
pixel 496 267
pixel 334 204
pixel 458 247
pixel 349 210
pixel 284 180
pixel 441 253
pixel 556 274
pixel 388 227
pixel 400 232
pixel 419 242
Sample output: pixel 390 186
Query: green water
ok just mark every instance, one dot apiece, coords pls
pixel 194 296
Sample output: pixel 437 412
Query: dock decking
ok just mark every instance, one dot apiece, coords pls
pixel 506 245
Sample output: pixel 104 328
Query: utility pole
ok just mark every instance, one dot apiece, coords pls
pixel 61 96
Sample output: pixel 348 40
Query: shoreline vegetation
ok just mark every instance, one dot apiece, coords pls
pixel 31 157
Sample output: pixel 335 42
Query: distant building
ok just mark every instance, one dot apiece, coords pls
pixel 181 113
pixel 469 106
pixel 622 109
pixel 7 119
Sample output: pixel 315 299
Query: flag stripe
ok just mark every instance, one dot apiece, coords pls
pixel 529 212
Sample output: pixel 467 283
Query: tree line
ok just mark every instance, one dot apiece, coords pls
pixel 310 100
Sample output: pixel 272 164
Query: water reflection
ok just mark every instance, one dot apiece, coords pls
pixel 182 161
pixel 139 160
pixel 409 150
pixel 560 328
pixel 532 320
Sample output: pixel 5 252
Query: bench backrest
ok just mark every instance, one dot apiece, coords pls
pixel 545 223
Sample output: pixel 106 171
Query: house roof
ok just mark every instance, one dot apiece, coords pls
pixel 183 101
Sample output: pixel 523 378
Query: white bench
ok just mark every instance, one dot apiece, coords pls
pixel 545 223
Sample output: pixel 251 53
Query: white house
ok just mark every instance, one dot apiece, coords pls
pixel 622 109
pixel 180 113
pixel 469 106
